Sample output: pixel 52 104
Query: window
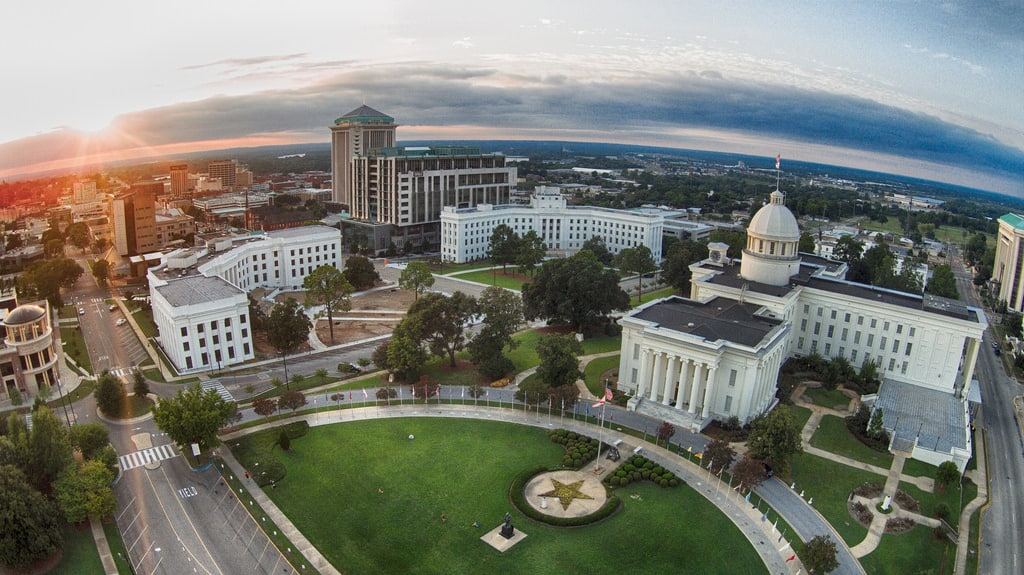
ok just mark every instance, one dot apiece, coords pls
pixel 732 379
pixel 909 346
pixel 728 403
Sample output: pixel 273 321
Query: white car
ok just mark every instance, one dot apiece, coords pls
pixel 121 321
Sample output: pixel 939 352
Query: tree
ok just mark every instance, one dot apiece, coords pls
pixel 110 395
pixel 292 400
pixel 194 416
pixel 265 407
pixel 749 472
pixel 577 290
pixel 947 473
pixel 504 246
pixel 328 287
pixel 719 455
pixel 30 522
pixel 637 260
pixel 775 438
pixel 819 555
pixel 287 328
pixel 101 271
pixel 943 282
pixel 360 273
pixel 597 245
pixel 416 277
pixel 444 322
pixel 806 244
pixel 676 269
pixel 141 386
pixel 665 432
pixel 559 360
pixel 84 492
pixel 405 353
pixel 89 438
pixel 532 250
pixel 848 249
pixel 502 313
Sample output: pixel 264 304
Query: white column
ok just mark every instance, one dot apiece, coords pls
pixel 657 376
pixel 711 390
pixel 684 381
pixel 641 383
pixel 670 380
pixel 697 391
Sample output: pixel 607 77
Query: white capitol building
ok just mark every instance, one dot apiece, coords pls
pixel 717 354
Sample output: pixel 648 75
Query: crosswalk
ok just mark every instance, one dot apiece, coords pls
pixel 144 456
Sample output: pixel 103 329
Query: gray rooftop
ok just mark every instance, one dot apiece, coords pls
pixel 197 289
pixel 719 318
pixel 935 418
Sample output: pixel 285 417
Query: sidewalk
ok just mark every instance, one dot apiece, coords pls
pixel 773 549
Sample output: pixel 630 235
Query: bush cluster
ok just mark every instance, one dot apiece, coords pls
pixel 517 492
pixel 640 468
pixel 579 449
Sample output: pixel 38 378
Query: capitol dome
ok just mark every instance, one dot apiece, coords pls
pixel 774 221
pixel 773 238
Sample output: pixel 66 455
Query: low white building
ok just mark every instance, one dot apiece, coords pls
pixel 466 232
pixel 199 294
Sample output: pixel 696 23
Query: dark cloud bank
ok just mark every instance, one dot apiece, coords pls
pixel 431 95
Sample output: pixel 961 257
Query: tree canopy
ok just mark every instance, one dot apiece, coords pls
pixel 416 277
pixel 287 327
pixel 360 273
pixel 194 416
pixel 577 290
pixel 328 287
pixel 775 438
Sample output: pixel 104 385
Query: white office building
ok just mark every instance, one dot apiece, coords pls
pixel 466 232
pixel 199 294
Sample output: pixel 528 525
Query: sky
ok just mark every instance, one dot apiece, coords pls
pixel 928 89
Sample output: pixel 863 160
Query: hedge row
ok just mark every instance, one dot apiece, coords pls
pixel 579 449
pixel 517 493
pixel 640 468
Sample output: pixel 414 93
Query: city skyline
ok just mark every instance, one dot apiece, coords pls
pixel 928 91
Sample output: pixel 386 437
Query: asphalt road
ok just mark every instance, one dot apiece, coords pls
pixel 1002 522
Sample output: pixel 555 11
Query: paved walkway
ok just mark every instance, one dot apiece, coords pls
pixel 774 550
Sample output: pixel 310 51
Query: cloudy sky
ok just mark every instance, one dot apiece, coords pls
pixel 924 88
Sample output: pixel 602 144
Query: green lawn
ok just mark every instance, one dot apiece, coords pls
pixel 825 398
pixel 512 280
pixel 80 555
pixel 74 347
pixel 830 484
pixel 916 551
pixel 462 469
pixel 833 436
pixel 592 373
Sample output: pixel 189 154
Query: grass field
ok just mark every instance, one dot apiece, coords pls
pixel 592 373
pixel 833 436
pixel 462 469
pixel 80 555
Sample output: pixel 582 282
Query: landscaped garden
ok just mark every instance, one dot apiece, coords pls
pixel 371 500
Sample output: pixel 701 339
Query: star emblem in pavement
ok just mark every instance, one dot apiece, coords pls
pixel 566 492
